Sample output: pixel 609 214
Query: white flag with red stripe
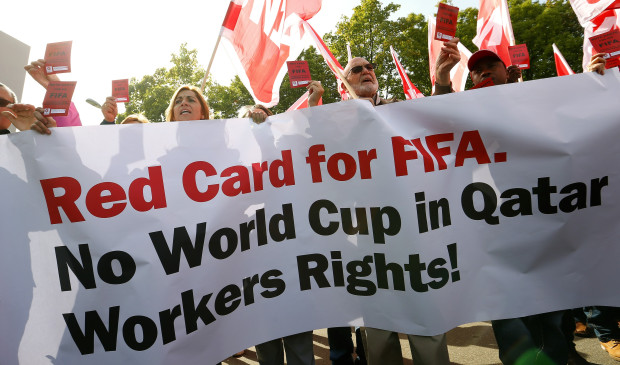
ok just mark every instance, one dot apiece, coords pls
pixel 411 92
pixel 302 102
pixel 328 56
pixel 458 74
pixel 495 28
pixel 587 10
pixel 561 66
pixel 606 21
pixel 261 36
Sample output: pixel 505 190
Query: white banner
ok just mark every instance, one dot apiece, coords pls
pixel 185 242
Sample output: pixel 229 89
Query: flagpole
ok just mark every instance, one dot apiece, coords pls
pixel 344 80
pixel 204 79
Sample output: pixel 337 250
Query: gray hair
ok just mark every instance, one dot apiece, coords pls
pixel 10 92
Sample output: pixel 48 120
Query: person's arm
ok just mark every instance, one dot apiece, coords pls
pixel 315 92
pixel 597 64
pixel 448 57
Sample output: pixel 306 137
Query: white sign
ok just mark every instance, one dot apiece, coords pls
pixel 184 242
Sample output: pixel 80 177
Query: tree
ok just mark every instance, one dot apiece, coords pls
pixel 151 95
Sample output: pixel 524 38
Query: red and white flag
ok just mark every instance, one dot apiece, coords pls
pixel 411 92
pixel 261 36
pixel 329 58
pixel 587 10
pixel 495 28
pixel 302 102
pixel 606 21
pixel 458 74
pixel 561 66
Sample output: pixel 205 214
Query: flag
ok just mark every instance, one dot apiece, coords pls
pixel 458 74
pixel 329 58
pixel 586 10
pixel 411 92
pixel 561 66
pixel 302 102
pixel 603 23
pixel 494 28
pixel 260 36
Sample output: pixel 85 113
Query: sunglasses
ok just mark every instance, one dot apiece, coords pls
pixel 358 69
pixel 4 102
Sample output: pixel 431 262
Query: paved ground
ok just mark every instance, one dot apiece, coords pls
pixel 472 343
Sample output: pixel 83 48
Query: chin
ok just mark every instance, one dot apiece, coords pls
pixel 5 123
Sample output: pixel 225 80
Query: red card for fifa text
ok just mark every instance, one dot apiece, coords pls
pixel 484 83
pixel 58 98
pixel 608 43
pixel 58 57
pixel 519 56
pixel 120 90
pixel 298 73
pixel 446 22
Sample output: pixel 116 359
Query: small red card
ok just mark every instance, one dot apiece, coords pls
pixel 484 83
pixel 58 98
pixel 608 43
pixel 446 22
pixel 120 90
pixel 298 73
pixel 519 56
pixel 58 57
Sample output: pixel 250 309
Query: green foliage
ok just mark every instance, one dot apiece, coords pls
pixel 371 30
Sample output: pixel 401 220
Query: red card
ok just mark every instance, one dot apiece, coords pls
pixel 446 22
pixel 120 90
pixel 519 56
pixel 608 43
pixel 484 83
pixel 58 57
pixel 298 73
pixel 58 98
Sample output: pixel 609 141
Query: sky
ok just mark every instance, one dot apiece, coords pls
pixel 124 39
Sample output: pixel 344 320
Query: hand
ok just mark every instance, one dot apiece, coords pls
pixel 109 109
pixel 257 117
pixel 42 123
pixel 597 64
pixel 36 69
pixel 315 92
pixel 20 115
pixel 448 57
pixel 514 74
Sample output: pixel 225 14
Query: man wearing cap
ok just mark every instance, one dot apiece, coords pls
pixel 382 347
pixel 482 65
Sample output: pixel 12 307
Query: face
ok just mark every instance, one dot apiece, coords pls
pixel 489 67
pixel 364 82
pixel 187 106
pixel 5 96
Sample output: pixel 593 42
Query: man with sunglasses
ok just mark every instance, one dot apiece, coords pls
pixel 382 347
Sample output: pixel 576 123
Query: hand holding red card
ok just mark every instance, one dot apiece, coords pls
pixel 58 57
pixel 447 17
pixel 120 90
pixel 58 98
pixel 519 56
pixel 608 43
pixel 298 73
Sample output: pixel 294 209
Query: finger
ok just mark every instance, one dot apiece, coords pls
pixel 8 113
pixel 38 63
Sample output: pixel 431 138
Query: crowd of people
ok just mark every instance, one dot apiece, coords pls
pixel 545 338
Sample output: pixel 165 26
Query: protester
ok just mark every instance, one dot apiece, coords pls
pixel 382 347
pixel 36 69
pixel 538 338
pixel 7 98
pixel 109 109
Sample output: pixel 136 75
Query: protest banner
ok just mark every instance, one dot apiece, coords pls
pixel 184 242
